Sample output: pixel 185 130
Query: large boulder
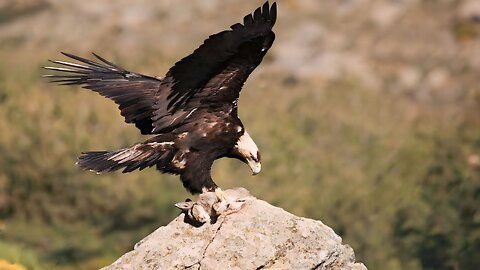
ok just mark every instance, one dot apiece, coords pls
pixel 256 235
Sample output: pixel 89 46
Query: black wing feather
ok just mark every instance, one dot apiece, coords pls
pixel 159 106
pixel 133 92
pixel 192 72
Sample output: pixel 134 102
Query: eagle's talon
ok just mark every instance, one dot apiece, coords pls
pixel 222 196
pixel 223 203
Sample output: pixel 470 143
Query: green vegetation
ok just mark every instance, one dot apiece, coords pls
pixel 9 12
pixel 398 181
pixel 396 176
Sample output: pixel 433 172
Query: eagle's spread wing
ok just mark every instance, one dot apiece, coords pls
pixel 225 58
pixel 211 76
pixel 133 92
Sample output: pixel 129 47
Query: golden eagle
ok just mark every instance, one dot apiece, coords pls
pixel 192 111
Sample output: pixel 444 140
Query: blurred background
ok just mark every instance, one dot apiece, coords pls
pixel 366 113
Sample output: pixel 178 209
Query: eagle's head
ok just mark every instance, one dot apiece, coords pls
pixel 247 151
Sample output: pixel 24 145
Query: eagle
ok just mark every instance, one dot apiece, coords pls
pixel 191 112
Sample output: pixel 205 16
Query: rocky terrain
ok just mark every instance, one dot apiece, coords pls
pixel 255 235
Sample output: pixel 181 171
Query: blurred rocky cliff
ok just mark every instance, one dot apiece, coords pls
pixel 428 50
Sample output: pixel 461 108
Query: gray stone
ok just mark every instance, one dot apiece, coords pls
pixel 255 235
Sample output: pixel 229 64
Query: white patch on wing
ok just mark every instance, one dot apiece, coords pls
pixel 179 161
pixel 239 129
pixel 132 75
pixel 211 124
pixel 175 119
pixel 159 144
pixel 190 113
pixel 122 155
pixel 133 153
pixel 179 164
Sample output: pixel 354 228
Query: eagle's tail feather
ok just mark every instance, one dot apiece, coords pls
pixel 139 156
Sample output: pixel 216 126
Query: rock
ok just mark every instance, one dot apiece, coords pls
pixel 255 236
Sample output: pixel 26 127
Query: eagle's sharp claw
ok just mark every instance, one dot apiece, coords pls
pixel 221 195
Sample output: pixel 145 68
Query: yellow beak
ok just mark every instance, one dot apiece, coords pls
pixel 255 166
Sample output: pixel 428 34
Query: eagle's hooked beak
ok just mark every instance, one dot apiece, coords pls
pixel 255 166
pixel 247 151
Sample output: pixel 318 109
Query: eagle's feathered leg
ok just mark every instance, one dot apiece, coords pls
pixel 221 195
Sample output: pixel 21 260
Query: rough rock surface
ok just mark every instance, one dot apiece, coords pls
pixel 255 236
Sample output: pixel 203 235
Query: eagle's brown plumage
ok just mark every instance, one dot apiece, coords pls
pixel 192 111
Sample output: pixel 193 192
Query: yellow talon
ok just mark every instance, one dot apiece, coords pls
pixel 221 195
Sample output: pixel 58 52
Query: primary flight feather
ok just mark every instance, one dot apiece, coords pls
pixel 191 111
